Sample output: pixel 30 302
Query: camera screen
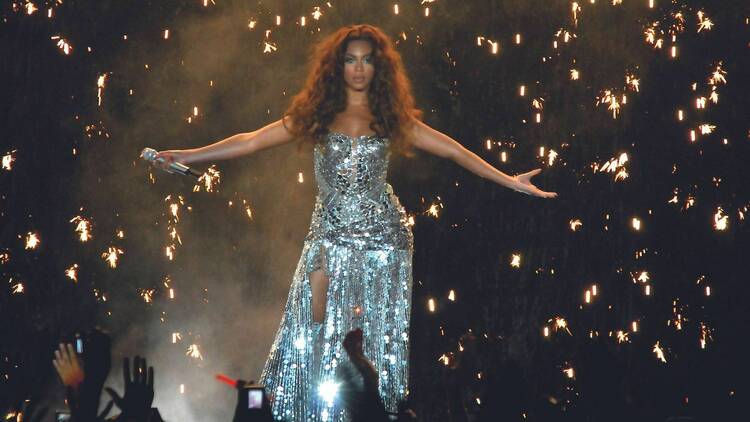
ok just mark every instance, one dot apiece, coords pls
pixel 62 416
pixel 254 398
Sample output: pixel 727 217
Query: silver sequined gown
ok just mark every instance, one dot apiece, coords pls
pixel 360 237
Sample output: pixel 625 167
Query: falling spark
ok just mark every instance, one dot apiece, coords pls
pixel 431 305
pixel 4 257
pixel 720 220
pixel 608 97
pixel 176 337
pixel 208 180
pixel 147 294
pixel 569 372
pixel 622 337
pixel 72 272
pixel 633 82
pixel 111 256
pixel 100 88
pixel 560 324
pixel 574 75
pixel 575 224
pixel 718 76
pixel 515 261
pixel 328 390
pixel 706 129
pixel 8 160
pixel 659 352
pixel 636 224
pixel 194 352
pixel 83 228
pixel 62 44
pixel 17 288
pixel 452 296
pixel 32 240
pixel 704 22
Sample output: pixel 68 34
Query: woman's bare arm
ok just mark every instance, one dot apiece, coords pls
pixel 441 145
pixel 269 136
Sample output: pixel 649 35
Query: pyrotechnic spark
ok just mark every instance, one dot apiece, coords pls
pixel 147 294
pixel 659 352
pixel 569 372
pixel 574 75
pixel 431 305
pixel 100 88
pixel 622 337
pixel 83 228
pixel 62 44
pixel 551 156
pixel 269 47
pixel 176 337
pixel 209 180
pixel 559 323
pixel 452 296
pixel 328 390
pixel 614 165
pixel 705 335
pixel 515 260
pixel 704 22
pixel 575 224
pixel 636 223
pixel 633 82
pixel 72 272
pixel 111 256
pixel 434 209
pixel 607 97
pixel 4 257
pixel 8 159
pixel 575 8
pixel 17 288
pixel 706 128
pixel 32 240
pixel 720 220
pixel 194 352
pixel 169 251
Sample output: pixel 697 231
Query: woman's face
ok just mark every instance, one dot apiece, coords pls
pixel 358 65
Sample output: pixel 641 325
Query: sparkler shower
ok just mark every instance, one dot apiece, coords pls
pixel 625 297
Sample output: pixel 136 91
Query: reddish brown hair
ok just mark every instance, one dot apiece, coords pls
pixel 324 95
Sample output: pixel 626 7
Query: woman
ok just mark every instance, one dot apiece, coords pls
pixel 355 268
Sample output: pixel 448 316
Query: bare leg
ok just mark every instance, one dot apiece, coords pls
pixel 319 287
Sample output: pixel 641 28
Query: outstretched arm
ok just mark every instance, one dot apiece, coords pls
pixel 437 143
pixel 269 136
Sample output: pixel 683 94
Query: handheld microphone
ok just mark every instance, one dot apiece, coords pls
pixel 149 154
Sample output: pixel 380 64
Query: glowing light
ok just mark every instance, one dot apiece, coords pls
pixel 194 352
pixel 575 224
pixel 72 272
pixel 636 224
pixel 176 337
pixel 208 180
pixel 17 288
pixel 111 256
pixel 515 261
pixel 569 372
pixel 300 178
pixel 32 241
pixel 328 390
pixel 100 88
pixel 522 90
pixel 431 305
pixel 452 295
pixel 7 160
pixel 721 221
pixel 83 228
pixel 574 75
pixel 62 44
pixel 659 352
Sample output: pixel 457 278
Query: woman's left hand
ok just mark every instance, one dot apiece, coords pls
pixel 525 185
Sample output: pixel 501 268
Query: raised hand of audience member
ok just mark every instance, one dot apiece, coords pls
pixel 135 404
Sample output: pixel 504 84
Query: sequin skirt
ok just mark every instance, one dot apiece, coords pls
pixel 369 288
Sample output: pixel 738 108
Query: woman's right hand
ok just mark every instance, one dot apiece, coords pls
pixel 162 159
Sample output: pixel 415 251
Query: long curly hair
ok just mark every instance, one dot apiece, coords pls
pixel 324 94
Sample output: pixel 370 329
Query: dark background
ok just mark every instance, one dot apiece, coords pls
pixel 70 156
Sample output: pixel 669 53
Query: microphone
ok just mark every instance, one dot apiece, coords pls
pixel 149 154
